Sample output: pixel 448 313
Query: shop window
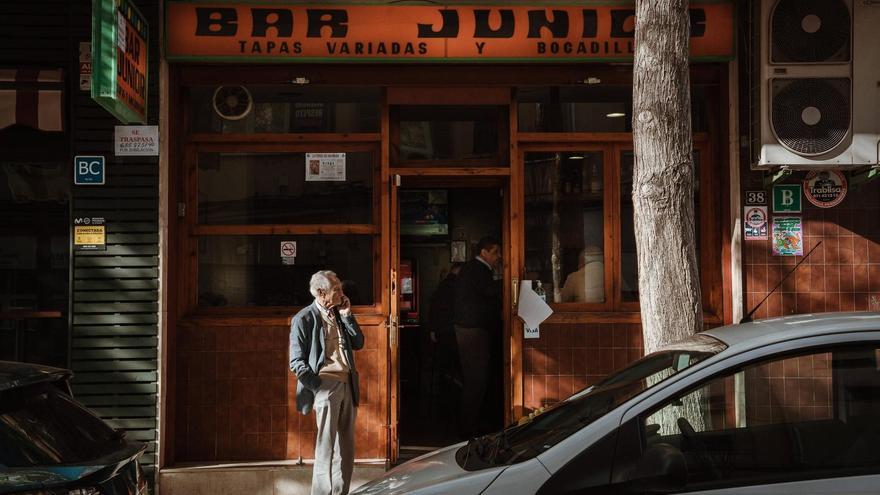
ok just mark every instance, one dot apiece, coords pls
pixel 591 108
pixel 281 188
pixel 578 202
pixel 565 224
pixel 34 262
pixel 452 135
pixel 284 109
pixel 246 271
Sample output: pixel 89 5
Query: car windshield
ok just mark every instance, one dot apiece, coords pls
pixel 42 426
pixel 559 421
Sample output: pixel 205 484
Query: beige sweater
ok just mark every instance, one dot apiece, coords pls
pixel 335 365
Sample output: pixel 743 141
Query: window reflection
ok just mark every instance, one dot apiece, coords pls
pixel 565 224
pixel 590 108
pixel 272 188
pixel 449 132
pixel 249 270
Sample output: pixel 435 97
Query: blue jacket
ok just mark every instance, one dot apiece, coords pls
pixel 307 353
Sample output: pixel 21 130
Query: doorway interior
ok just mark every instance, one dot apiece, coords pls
pixel 440 225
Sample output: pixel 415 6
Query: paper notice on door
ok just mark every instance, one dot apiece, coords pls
pixel 531 309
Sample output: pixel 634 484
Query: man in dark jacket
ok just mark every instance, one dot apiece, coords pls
pixel 323 337
pixel 477 318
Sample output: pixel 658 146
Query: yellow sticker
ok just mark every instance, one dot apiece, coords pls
pixel 88 235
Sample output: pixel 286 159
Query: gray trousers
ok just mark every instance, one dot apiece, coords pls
pixel 334 446
pixel 474 347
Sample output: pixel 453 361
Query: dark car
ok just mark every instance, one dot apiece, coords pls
pixel 52 445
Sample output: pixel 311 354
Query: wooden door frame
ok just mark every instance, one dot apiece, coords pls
pixel 451 178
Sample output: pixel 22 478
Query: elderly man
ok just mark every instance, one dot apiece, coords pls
pixel 323 337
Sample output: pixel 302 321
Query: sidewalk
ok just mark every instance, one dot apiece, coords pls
pixel 251 478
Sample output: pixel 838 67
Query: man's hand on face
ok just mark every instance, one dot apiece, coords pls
pixel 344 306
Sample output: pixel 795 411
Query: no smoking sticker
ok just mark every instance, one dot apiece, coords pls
pixel 288 252
pixel 288 249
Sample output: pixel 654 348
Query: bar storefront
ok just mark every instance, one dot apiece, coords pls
pixel 382 142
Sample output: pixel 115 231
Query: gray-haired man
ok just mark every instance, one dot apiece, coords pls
pixel 323 337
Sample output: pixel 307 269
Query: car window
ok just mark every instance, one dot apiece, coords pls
pixel 532 437
pixel 41 426
pixel 804 416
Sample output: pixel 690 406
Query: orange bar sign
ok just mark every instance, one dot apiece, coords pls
pixel 292 33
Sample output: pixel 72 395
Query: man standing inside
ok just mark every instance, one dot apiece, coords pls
pixel 323 337
pixel 477 320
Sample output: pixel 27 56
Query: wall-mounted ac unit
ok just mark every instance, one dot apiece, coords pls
pixel 819 84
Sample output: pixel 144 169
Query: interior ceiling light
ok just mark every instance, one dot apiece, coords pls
pixel 615 115
pixel 575 157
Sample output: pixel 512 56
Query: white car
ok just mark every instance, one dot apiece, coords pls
pixel 779 406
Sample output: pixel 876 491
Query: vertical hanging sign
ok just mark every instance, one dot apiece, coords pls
pixel 120 36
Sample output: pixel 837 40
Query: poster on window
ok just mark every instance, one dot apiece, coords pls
pixel 788 236
pixel 325 167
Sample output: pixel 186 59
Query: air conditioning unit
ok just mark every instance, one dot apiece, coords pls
pixel 819 84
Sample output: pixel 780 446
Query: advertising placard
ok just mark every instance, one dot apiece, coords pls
pixel 788 236
pixel 755 223
pixel 825 188
pixel 137 140
pixel 251 31
pixel 325 167
pixel 85 66
pixel 89 234
pixel 120 41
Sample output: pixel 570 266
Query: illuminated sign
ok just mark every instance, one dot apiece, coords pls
pixel 291 33
pixel 119 59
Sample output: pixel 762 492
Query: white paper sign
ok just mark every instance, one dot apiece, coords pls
pixel 137 140
pixel 532 309
pixel 325 167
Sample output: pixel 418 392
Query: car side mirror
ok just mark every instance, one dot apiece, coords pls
pixel 662 468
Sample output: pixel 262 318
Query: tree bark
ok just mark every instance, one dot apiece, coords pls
pixel 663 176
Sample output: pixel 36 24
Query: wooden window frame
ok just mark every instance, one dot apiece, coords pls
pixel 613 145
pixel 191 231
pixel 608 255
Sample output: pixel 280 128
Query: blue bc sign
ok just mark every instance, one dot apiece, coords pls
pixel 88 170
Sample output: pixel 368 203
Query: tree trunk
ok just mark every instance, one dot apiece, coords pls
pixel 663 176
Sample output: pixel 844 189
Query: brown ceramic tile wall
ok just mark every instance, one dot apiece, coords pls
pixel 235 397
pixel 843 274
pixel 568 358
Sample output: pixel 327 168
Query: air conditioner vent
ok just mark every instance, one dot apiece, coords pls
pixel 810 31
pixel 810 116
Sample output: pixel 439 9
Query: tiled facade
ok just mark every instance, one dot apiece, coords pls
pixel 568 358
pixel 842 274
pixel 236 398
